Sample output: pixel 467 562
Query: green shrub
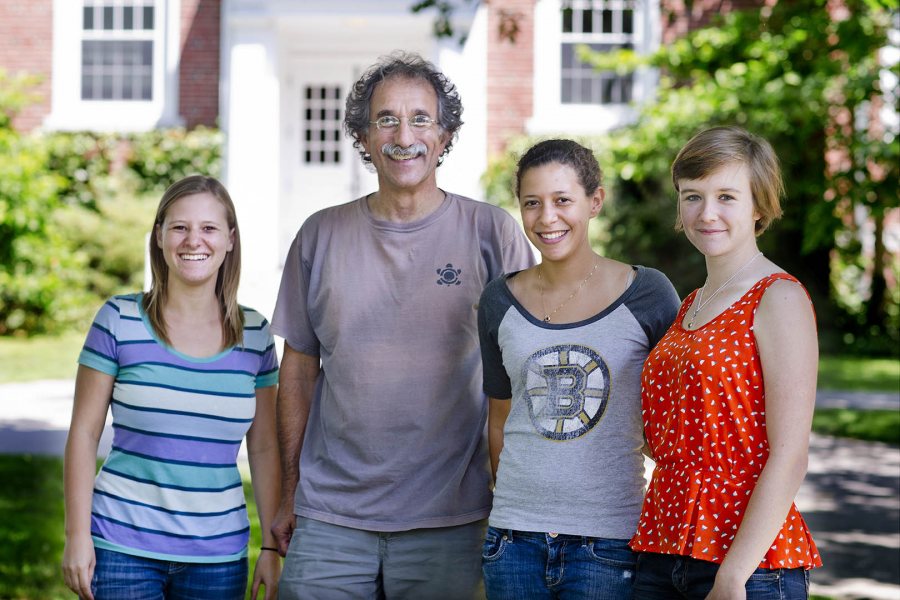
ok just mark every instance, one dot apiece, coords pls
pixel 111 239
pixel 162 157
pixel 869 425
pixel 39 283
pixel 75 209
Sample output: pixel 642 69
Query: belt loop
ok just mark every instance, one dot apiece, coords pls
pixel 509 534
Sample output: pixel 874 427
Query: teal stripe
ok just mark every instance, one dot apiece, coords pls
pixel 189 369
pixel 198 381
pixel 90 358
pixel 174 474
pixel 267 380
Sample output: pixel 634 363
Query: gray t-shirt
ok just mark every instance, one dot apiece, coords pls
pixel 571 459
pixel 395 437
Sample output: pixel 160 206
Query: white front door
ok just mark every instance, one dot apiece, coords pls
pixel 319 164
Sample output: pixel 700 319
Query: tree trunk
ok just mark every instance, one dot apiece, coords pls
pixel 875 306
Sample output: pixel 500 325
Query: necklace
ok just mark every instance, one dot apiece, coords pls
pixel 699 303
pixel 584 281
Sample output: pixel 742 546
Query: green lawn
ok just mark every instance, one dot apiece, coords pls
pixel 869 425
pixel 55 358
pixel 859 374
pixel 32 528
pixel 39 357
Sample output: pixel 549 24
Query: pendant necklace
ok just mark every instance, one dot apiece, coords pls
pixel 584 281
pixel 699 303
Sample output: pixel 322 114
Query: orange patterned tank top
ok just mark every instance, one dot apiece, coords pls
pixel 704 410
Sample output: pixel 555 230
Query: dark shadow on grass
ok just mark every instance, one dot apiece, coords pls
pixel 27 437
pixel 854 490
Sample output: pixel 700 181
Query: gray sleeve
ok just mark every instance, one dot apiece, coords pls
pixel 508 250
pixel 517 253
pixel 655 305
pixel 491 308
pixel 290 319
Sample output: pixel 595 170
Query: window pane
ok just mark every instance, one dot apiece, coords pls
pixel 115 70
pixel 587 21
pixel 628 21
pixel 128 91
pixel 627 84
pixel 108 50
pixel 607 21
pixel 566 91
pixel 567 20
pixel 107 17
pixel 106 87
pixel 148 17
pixel 88 19
pixel 128 18
pixel 581 84
pixel 322 124
pixel 87 54
pixel 87 91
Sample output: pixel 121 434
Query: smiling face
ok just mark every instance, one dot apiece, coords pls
pixel 402 170
pixel 718 212
pixel 195 238
pixel 556 210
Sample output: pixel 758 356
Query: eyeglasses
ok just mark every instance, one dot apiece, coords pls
pixel 390 122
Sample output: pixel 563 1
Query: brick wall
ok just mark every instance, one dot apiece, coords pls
pixel 26 38
pixel 198 79
pixel 510 63
pixel 510 52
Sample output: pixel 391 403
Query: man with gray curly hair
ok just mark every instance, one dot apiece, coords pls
pixel 381 415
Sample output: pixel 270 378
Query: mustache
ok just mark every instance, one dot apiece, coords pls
pixel 396 151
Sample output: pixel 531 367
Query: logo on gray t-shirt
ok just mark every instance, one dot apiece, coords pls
pixel 567 388
pixel 449 275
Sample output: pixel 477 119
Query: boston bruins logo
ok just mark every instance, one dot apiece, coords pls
pixel 567 389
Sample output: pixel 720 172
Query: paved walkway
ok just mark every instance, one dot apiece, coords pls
pixel 850 498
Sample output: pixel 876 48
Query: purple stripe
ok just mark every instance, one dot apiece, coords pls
pixel 269 362
pixel 130 354
pixel 101 342
pixel 164 544
pixel 175 449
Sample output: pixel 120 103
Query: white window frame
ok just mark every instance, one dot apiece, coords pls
pixel 70 112
pixel 550 114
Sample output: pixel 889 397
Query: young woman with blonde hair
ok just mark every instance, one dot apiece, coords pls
pixel 186 372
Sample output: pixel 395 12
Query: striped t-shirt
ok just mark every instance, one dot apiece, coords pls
pixel 170 488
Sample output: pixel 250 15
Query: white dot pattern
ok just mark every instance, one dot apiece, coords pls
pixel 704 412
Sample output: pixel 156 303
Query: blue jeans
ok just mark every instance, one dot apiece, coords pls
pixel 665 576
pixel 524 564
pixel 331 562
pixel 119 576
